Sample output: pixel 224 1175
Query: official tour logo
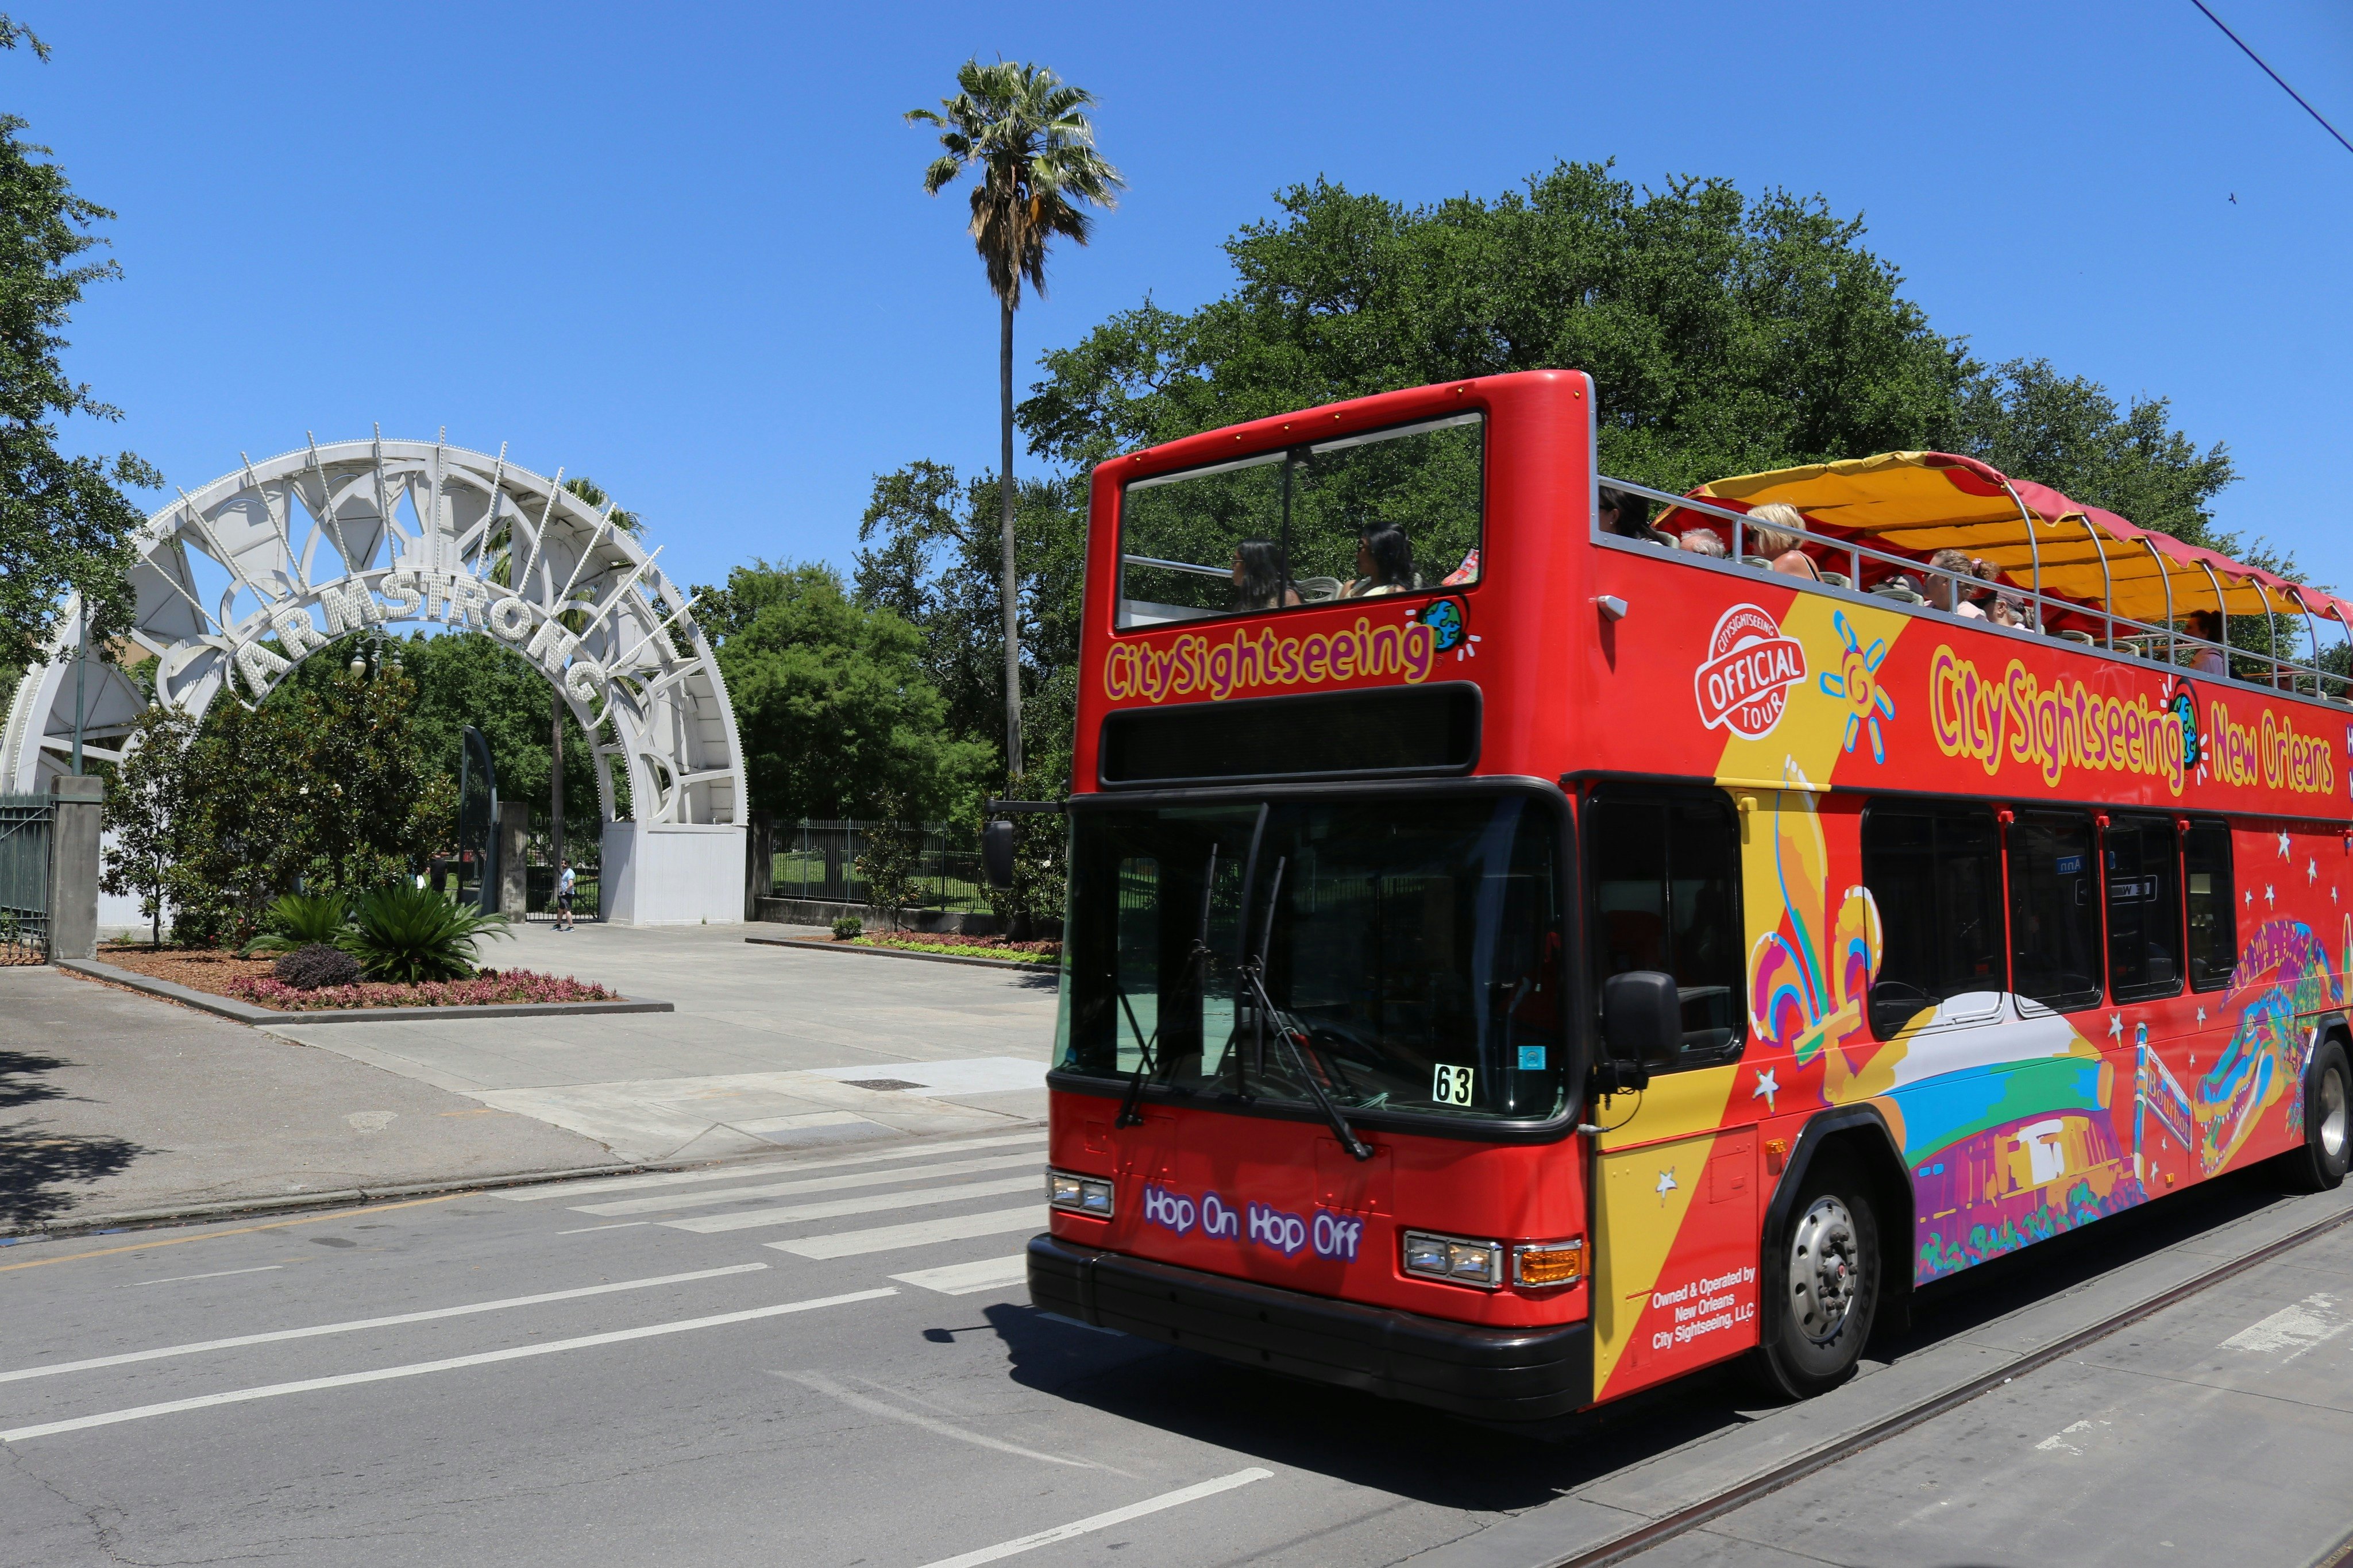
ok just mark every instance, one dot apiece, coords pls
pixel 1745 682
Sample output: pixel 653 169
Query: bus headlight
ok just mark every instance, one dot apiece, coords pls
pixel 1458 1261
pixel 1088 1195
pixel 1542 1265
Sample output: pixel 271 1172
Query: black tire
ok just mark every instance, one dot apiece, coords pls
pixel 2319 1166
pixel 1822 1282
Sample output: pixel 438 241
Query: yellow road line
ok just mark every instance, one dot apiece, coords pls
pixel 241 1230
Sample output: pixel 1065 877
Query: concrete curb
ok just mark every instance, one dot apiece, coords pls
pixel 236 1208
pixel 901 952
pixel 245 1013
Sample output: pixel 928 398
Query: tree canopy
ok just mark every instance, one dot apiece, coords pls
pixel 64 522
pixel 832 703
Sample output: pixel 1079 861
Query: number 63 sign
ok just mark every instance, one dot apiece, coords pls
pixel 1451 1086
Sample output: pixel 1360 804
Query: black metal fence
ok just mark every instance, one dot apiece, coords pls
pixel 25 821
pixel 819 861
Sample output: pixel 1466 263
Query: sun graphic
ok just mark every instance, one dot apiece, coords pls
pixel 1856 680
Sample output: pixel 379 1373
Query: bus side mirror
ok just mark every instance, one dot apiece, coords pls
pixel 997 853
pixel 1643 1020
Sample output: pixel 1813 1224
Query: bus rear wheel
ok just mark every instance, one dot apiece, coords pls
pixel 1824 1282
pixel 2320 1165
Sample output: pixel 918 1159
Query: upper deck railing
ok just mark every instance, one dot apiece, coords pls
pixel 2140 639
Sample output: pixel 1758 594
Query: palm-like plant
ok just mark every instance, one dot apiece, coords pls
pixel 300 920
pixel 407 933
pixel 1020 126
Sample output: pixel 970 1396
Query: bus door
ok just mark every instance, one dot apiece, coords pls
pixel 1675 1203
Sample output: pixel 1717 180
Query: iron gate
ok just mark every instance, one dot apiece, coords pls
pixel 25 822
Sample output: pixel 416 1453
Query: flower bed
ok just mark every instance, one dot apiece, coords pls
pixel 956 946
pixel 488 989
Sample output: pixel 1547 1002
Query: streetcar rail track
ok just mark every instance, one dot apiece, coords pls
pixel 1667 1527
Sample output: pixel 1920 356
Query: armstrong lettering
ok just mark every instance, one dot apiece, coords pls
pixel 1743 685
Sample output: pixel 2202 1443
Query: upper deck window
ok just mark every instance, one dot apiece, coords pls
pixel 1363 516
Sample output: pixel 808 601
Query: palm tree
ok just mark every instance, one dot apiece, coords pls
pixel 1020 127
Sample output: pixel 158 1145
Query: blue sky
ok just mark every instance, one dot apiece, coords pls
pixel 684 249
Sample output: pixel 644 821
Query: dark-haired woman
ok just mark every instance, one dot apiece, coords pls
pixel 1258 576
pixel 1384 564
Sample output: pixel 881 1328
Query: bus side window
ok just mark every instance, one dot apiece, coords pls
pixel 2213 907
pixel 1666 896
pixel 2054 909
pixel 2144 909
pixel 1935 871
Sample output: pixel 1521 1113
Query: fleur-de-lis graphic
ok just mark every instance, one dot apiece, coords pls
pixel 1856 680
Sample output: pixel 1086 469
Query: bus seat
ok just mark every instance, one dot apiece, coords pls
pixel 1837 580
pixel 1315 590
pixel 1762 563
pixel 2086 638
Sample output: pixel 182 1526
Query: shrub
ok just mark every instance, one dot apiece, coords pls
pixel 297 921
pixel 849 927
pixel 308 968
pixel 404 933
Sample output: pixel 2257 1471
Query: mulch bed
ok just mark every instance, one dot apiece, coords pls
pixel 1039 952
pixel 222 973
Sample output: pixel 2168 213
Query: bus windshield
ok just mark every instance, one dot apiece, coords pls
pixel 1406 953
pixel 1281 529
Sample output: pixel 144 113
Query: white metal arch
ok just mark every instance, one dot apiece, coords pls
pixel 323 541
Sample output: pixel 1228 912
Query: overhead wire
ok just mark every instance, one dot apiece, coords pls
pixel 2273 75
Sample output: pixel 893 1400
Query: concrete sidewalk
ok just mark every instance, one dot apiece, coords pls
pixel 769 1047
pixel 113 1103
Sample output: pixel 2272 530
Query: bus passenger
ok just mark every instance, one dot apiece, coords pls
pixel 1945 589
pixel 1777 527
pixel 2007 611
pixel 1701 542
pixel 1258 577
pixel 1384 564
pixel 1986 591
pixel 2205 625
pixel 1629 517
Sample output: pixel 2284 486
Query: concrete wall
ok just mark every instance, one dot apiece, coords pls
pixel 665 873
pixel 80 806
pixel 514 830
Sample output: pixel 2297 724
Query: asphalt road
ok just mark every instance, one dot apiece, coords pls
pixel 844 1370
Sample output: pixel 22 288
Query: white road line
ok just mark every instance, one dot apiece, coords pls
pixel 594 1185
pixel 922 1232
pixel 356 1324
pixel 872 1203
pixel 1099 1521
pixel 964 1279
pixel 216 1274
pixel 625 1225
pixel 418 1369
pixel 655 1204
pixel 857 1401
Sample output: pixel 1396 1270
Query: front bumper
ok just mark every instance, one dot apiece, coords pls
pixel 1506 1375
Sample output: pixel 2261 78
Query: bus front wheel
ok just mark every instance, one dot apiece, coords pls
pixel 2319 1166
pixel 1824 1283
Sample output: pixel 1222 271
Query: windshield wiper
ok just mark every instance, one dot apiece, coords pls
pixel 1147 1063
pixel 1291 1031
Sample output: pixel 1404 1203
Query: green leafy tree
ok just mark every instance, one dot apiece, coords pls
pixel 890 859
pixel 831 703
pixel 470 678
pixel 146 812
pixel 1022 129
pixel 64 522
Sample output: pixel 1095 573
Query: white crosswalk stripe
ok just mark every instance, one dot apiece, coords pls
pixel 922 1232
pixel 834 1208
pixel 964 1279
pixel 661 1200
pixel 600 1185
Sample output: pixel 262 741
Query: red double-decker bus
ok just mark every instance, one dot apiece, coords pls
pixel 1530 936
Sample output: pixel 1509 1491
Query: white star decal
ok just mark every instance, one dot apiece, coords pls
pixel 2284 851
pixel 2202 1017
pixel 2312 870
pixel 1666 1184
pixel 2250 895
pixel 1766 1086
pixel 2115 1026
pixel 2271 897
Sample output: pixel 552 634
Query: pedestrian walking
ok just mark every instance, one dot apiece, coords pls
pixel 564 898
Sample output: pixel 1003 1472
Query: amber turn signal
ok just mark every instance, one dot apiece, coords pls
pixel 1548 1263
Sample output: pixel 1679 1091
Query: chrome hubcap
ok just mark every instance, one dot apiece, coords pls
pixel 2332 1114
pixel 1824 1269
